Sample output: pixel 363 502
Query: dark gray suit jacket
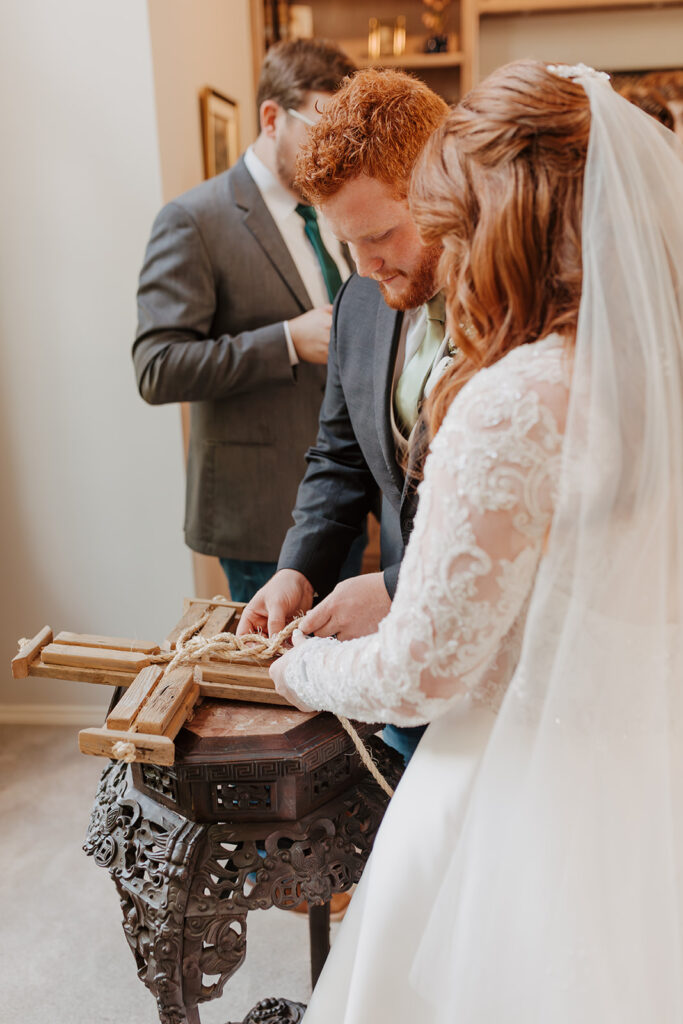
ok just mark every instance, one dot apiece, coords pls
pixel 216 285
pixel 354 457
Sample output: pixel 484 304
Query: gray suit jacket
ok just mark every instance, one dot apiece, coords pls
pixel 354 457
pixel 216 285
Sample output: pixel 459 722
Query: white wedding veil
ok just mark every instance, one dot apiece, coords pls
pixel 563 899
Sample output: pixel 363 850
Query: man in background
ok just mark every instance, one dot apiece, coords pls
pixel 234 315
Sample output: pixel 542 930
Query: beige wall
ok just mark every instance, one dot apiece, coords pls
pixel 91 476
pixel 99 106
pixel 206 42
pixel 618 39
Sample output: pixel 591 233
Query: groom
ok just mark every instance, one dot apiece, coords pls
pixel 387 335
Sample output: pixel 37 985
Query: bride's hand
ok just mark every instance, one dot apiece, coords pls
pixel 299 638
pixel 277 674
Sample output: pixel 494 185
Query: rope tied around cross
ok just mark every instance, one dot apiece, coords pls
pixel 252 647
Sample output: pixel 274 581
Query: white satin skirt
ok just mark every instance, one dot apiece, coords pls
pixel 366 979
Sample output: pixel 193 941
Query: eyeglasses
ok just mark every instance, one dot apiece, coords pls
pixel 301 117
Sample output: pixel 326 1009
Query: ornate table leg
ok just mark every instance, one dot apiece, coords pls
pixel 275 1011
pixel 149 853
pixel 186 888
pixel 306 860
pixel 319 934
pixel 310 859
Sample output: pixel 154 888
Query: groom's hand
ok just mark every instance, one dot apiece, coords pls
pixel 354 608
pixel 286 594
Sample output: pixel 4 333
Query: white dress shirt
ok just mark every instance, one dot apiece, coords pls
pixel 282 205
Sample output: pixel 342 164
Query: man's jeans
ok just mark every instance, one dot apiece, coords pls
pixel 245 577
pixel 404 739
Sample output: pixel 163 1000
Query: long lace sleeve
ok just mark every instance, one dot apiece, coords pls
pixel 486 501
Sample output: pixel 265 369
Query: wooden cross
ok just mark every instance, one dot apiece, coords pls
pixel 157 702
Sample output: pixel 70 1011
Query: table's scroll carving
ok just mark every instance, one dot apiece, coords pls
pixel 275 1011
pixel 186 887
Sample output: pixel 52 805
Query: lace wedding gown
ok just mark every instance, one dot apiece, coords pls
pixel 445 654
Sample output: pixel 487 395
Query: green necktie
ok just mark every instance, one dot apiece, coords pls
pixel 412 381
pixel 331 275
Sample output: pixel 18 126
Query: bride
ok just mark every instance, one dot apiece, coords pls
pixel 529 869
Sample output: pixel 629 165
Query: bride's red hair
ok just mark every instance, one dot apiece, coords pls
pixel 500 184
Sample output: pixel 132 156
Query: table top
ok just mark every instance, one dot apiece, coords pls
pixel 217 718
pixel 231 731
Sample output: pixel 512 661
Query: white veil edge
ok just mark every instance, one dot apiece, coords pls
pixel 563 899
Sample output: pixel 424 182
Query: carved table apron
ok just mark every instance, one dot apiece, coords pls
pixel 265 806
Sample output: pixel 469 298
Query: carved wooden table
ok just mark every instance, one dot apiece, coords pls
pixel 264 806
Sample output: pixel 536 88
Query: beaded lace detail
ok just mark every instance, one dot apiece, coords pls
pixel 456 622
pixel 577 71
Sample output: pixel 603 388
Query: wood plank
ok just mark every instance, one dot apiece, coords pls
pixel 528 6
pixel 103 676
pixel 135 697
pixel 184 709
pixel 226 672
pixel 148 749
pixel 192 617
pixel 219 621
pixel 407 61
pixel 160 709
pixel 92 657
pixel 114 643
pixel 236 691
pixel 223 679
pixel 470 26
pixel 215 602
pixel 29 651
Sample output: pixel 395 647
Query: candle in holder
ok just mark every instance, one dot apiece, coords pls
pixel 374 42
pixel 399 47
pixel 386 38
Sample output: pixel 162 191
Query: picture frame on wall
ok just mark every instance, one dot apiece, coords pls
pixel 220 131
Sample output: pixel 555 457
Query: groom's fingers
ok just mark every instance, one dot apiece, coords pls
pixel 318 620
pixel 354 608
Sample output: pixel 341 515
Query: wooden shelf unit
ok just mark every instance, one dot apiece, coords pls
pixel 476 10
pixel 410 61
pixel 347 22
pixel 452 73
pixel 564 6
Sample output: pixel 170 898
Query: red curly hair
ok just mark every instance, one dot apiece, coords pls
pixel 500 184
pixel 376 124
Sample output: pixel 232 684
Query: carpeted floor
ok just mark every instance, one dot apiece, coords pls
pixel 63 955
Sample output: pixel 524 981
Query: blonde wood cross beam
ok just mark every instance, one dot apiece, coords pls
pixel 158 700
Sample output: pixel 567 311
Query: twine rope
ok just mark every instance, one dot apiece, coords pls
pixel 252 647
pixel 366 756
pixel 124 750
